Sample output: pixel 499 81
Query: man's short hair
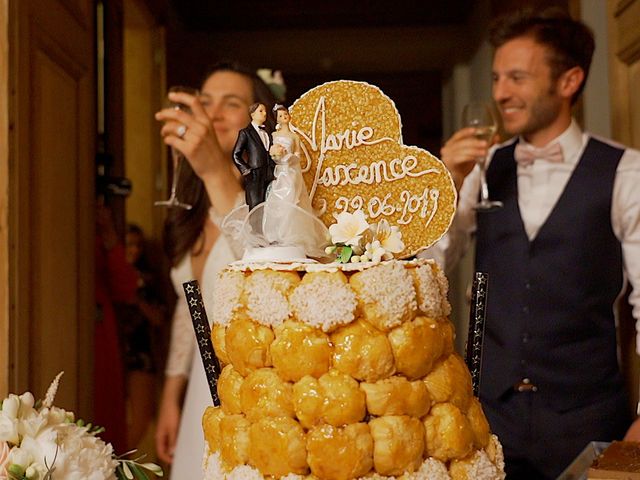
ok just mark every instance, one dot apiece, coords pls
pixel 570 42
pixel 254 106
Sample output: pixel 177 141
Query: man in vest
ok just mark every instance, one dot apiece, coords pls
pixel 558 253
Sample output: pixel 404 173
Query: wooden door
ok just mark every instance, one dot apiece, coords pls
pixel 49 267
pixel 144 85
pixel 624 69
pixel 4 198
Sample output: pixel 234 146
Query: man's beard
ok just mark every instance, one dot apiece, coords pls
pixel 542 113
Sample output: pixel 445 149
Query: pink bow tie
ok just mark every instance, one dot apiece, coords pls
pixel 526 154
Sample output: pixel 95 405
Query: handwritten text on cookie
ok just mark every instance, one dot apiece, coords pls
pixel 424 203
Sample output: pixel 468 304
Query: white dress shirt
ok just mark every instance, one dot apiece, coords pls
pixel 539 188
pixel 263 135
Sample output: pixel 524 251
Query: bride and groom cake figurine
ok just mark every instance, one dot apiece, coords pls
pixel 278 222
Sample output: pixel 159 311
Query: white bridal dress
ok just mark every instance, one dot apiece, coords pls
pixel 184 359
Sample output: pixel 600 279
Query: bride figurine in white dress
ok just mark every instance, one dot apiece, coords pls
pixel 289 224
pixel 289 218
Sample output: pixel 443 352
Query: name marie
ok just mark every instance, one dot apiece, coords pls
pixel 376 172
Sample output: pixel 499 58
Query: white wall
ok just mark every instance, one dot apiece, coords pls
pixel 468 81
pixel 597 108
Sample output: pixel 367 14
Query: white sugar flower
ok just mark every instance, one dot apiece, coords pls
pixel 349 228
pixel 374 252
pixel 390 238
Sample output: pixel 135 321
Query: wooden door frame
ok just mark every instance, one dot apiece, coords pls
pixel 29 36
pixel 624 51
pixel 4 200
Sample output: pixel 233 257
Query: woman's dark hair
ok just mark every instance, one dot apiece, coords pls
pixel 183 228
pixel 570 43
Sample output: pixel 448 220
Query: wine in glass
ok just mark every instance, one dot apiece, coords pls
pixel 176 155
pixel 480 116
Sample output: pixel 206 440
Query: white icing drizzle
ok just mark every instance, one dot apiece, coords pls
pixel 319 267
pixel 426 203
pixel 376 172
pixel 332 141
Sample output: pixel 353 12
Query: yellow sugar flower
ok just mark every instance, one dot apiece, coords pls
pixel 390 238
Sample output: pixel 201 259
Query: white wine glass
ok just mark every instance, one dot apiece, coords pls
pixel 479 115
pixel 176 155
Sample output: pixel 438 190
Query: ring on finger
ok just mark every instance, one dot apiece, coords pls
pixel 181 131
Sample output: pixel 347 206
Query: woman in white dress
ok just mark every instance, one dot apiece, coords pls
pixel 194 243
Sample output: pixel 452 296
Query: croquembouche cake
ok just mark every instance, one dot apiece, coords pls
pixel 346 369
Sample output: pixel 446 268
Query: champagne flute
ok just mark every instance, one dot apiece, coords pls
pixel 176 155
pixel 480 116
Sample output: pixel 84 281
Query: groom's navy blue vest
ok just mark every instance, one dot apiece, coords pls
pixel 550 300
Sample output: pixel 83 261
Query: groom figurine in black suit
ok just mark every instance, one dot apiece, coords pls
pixel 256 166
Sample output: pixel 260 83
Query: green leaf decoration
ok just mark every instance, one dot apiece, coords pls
pixel 153 468
pixel 131 469
pixel 127 470
pixel 345 254
pixel 138 472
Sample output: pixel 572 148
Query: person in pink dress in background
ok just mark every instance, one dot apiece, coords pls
pixel 116 281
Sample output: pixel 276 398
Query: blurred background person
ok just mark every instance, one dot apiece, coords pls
pixel 139 322
pixel 115 281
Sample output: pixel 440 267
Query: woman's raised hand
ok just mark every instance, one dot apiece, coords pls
pixel 193 134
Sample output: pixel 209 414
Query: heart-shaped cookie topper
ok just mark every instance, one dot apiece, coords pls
pixel 354 159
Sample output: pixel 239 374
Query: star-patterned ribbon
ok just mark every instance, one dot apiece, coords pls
pixel 476 327
pixel 203 337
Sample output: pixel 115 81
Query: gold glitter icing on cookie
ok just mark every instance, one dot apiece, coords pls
pixel 353 158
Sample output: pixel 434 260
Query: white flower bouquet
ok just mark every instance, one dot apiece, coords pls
pixel 43 442
pixel 354 240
